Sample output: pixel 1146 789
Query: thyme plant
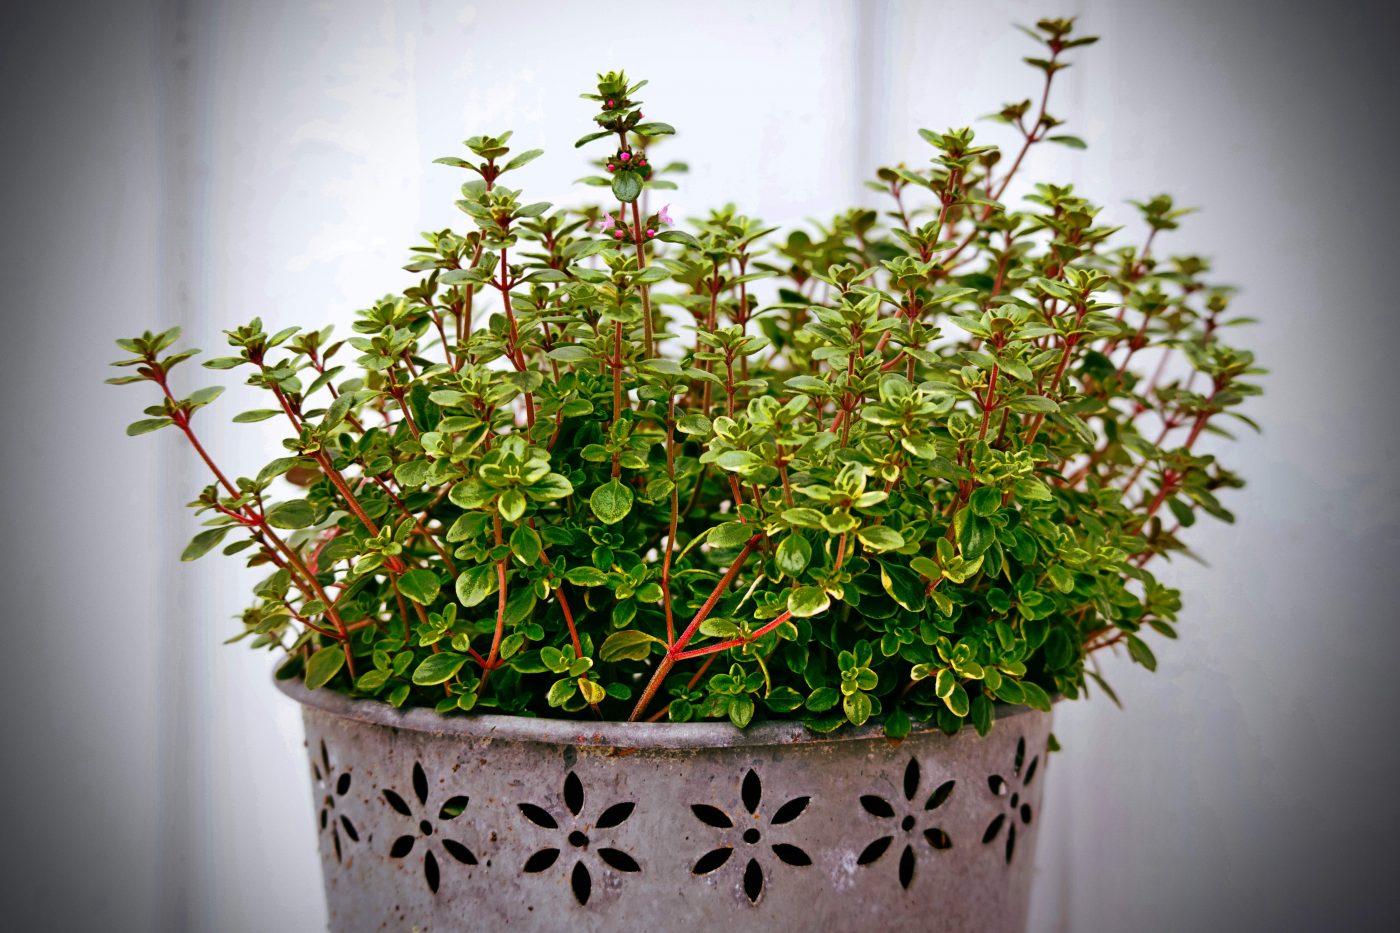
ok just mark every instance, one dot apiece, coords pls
pixel 899 466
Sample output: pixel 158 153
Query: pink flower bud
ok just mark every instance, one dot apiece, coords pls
pixel 611 167
pixel 610 103
pixel 617 234
pixel 651 232
pixel 626 156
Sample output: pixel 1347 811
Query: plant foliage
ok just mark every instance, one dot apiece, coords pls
pixel 896 467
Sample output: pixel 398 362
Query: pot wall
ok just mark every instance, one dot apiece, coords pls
pixel 435 824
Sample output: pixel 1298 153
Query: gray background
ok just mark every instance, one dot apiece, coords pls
pixel 199 163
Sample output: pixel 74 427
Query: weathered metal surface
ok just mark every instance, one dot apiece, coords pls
pixel 484 822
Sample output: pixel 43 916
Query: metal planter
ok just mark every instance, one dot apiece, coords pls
pixel 436 824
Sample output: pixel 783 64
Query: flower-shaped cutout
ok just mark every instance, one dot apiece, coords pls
pixel 911 816
pixel 428 829
pixel 750 835
pixel 578 839
pixel 333 787
pixel 1019 809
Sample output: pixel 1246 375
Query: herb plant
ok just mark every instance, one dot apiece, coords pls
pixel 899 466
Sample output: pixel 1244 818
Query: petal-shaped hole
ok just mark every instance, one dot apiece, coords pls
pixel 316 772
pixel 1020 753
pixel 753 879
pixel 1030 772
pixel 401 847
pixel 712 860
pixel 420 783
pixel 541 860
pixel 618 859
pixel 335 839
pixel 876 805
pixel 349 828
pixel 994 827
pixel 430 871
pixel 940 795
pixel 711 816
pixel 342 786
pixel 538 815
pixel 911 779
pixel 997 784
pixel 458 851
pixel 397 802
pixel 453 807
pixel 325 817
pixel 791 855
pixel 791 810
pixel 615 815
pixel 938 838
pixel 325 757
pixel 1026 813
pixel 874 850
pixel 1010 842
pixel 906 867
pixel 573 796
pixel 582 882
pixel 751 793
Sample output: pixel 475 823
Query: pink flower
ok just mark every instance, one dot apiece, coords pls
pixel 608 223
pixel 665 218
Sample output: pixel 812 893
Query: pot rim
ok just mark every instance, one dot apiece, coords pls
pixel 685 735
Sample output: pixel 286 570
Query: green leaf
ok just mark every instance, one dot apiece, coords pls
pixel 438 668
pixel 257 414
pixel 793 554
pixel 585 576
pixel 880 538
pixel 626 186
pixel 806 601
pixel 323 665
pixel 292 514
pixel 823 699
pixel 412 472
pixel 731 534
pixel 592 692
pixel 421 586
pixel 476 583
pixel 525 544
pixel 512 505
pixel 611 502
pixel 857 707
pixel 904 586
pixel 983 711
pixel 679 236
pixel 1139 652
pixel 693 424
pixel 985 500
pixel 1074 142
pixel 957 701
pixel 204 541
pixel 739 461
pixel 653 129
pixel 146 426
pixel 524 158
pixel 628 646
pixel 741 710
pixel 1034 697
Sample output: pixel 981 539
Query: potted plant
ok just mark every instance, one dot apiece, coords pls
pixel 631 572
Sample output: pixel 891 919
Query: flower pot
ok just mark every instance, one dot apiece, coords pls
pixel 481 822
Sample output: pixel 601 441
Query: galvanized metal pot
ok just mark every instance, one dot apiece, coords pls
pixel 430 823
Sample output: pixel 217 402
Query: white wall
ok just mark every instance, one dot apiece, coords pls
pixel 211 162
